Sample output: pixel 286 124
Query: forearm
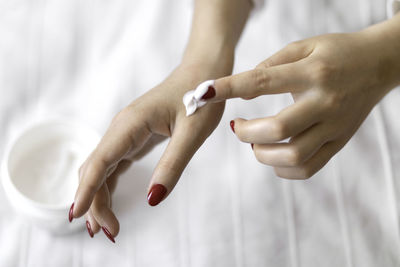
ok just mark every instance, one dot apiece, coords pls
pixel 216 29
pixel 385 37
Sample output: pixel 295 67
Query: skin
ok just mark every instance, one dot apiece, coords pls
pixel 335 81
pixel 136 129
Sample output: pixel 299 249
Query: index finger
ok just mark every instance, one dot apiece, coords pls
pixel 121 137
pixel 279 79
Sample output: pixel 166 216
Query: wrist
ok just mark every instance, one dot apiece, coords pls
pixel 384 39
pixel 216 60
pixel 199 71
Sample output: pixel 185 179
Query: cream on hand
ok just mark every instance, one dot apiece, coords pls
pixel 193 99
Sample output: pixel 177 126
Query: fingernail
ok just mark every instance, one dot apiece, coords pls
pixel 232 123
pixel 209 94
pixel 89 229
pixel 156 194
pixel 108 234
pixel 252 146
pixel 71 213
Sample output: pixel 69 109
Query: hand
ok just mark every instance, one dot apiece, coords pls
pixel 133 132
pixel 335 80
pixel 216 28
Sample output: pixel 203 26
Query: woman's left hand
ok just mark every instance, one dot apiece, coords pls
pixel 335 81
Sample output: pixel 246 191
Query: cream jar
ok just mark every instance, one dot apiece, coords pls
pixel 40 171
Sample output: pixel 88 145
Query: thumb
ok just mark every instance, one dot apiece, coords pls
pixel 180 149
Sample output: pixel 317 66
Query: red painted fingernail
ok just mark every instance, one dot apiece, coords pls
pixel 156 194
pixel 89 229
pixel 209 94
pixel 71 213
pixel 252 146
pixel 232 123
pixel 108 234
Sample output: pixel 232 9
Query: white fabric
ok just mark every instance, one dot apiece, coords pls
pixel 88 59
pixel 257 5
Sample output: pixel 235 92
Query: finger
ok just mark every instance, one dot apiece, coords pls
pixel 292 52
pixel 295 152
pixel 313 165
pixel 121 138
pixel 102 213
pixel 289 122
pixel 91 224
pixel 148 147
pixel 250 84
pixel 123 165
pixel 112 179
pixel 179 151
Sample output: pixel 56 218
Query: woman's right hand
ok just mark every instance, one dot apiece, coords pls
pixel 335 81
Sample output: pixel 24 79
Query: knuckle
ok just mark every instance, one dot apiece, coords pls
pixel 294 157
pixel 94 174
pixel 279 130
pixel 90 187
pixel 227 85
pixel 258 157
pixel 111 169
pixel 293 45
pixel 265 64
pixel 261 79
pixel 332 102
pixel 98 207
pixel 121 116
pixel 101 161
pixel 321 72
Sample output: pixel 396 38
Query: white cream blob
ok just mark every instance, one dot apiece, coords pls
pixel 192 99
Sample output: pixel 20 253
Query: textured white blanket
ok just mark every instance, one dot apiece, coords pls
pixel 88 59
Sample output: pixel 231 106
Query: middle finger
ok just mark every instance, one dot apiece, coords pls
pixel 297 150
